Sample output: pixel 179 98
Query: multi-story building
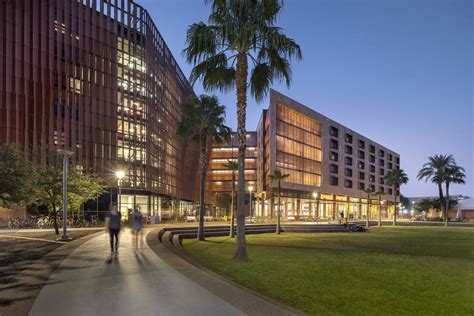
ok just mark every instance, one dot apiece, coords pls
pixel 96 78
pixel 328 165
pixel 219 184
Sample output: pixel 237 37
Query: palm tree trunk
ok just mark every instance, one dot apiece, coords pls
pixel 368 212
pixel 446 212
pixel 380 211
pixel 279 208
pixel 441 198
pixel 395 212
pixel 241 85
pixel 55 220
pixel 231 233
pixel 202 187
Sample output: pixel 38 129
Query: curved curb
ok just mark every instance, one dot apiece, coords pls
pixel 31 280
pixel 244 299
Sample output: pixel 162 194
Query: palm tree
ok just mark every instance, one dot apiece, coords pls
pixel 453 174
pixel 395 178
pixel 379 194
pixel 369 191
pixel 203 121
pixel 278 176
pixel 238 32
pixel 232 166
pixel 435 170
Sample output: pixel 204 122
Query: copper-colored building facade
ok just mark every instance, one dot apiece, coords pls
pixel 219 177
pixel 96 78
pixel 329 165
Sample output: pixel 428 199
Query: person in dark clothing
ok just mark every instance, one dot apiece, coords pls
pixel 113 223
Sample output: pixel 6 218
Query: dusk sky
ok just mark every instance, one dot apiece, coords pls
pixel 399 72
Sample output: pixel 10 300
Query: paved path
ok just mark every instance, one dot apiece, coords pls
pixel 89 283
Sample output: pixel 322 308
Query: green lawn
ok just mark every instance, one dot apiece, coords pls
pixel 387 271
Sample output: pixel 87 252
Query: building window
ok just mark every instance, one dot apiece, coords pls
pixel 349 150
pixel 382 171
pixel 361 144
pixel 349 138
pixel 382 189
pixel 390 191
pixel 390 157
pixel 381 153
pixel 334 144
pixel 334 156
pixel 372 158
pixel 372 187
pixel 361 186
pixel 348 172
pixel 372 149
pixel 333 131
pixel 361 176
pixel 397 160
pixel 390 166
pixel 348 161
pixel 333 168
pixel 361 154
pixel 361 165
pixel 348 183
pixel 381 181
pixel 372 178
pixel 372 168
pixel 381 162
pixel 334 181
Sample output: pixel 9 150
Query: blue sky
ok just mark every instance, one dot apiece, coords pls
pixel 397 71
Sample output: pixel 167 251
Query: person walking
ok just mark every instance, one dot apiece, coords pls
pixel 138 229
pixel 113 224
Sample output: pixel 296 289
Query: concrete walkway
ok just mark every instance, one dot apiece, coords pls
pixel 89 282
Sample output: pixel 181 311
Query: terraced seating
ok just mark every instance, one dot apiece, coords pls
pixel 174 235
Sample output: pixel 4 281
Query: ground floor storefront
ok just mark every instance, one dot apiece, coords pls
pixel 327 208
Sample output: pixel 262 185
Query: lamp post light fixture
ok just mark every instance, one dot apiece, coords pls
pixel 119 174
pixel 65 154
pixel 250 191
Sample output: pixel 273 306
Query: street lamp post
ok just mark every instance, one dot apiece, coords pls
pixel 66 154
pixel 316 211
pixel 120 174
pixel 250 190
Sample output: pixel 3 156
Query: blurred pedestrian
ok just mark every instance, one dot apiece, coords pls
pixel 113 224
pixel 137 226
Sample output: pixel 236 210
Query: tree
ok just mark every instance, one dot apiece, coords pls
pixel 453 174
pixel 369 191
pixel 239 31
pixel 232 166
pixel 49 187
pixel 278 176
pixel 395 178
pixel 83 187
pixel 379 194
pixel 16 177
pixel 203 121
pixel 435 171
